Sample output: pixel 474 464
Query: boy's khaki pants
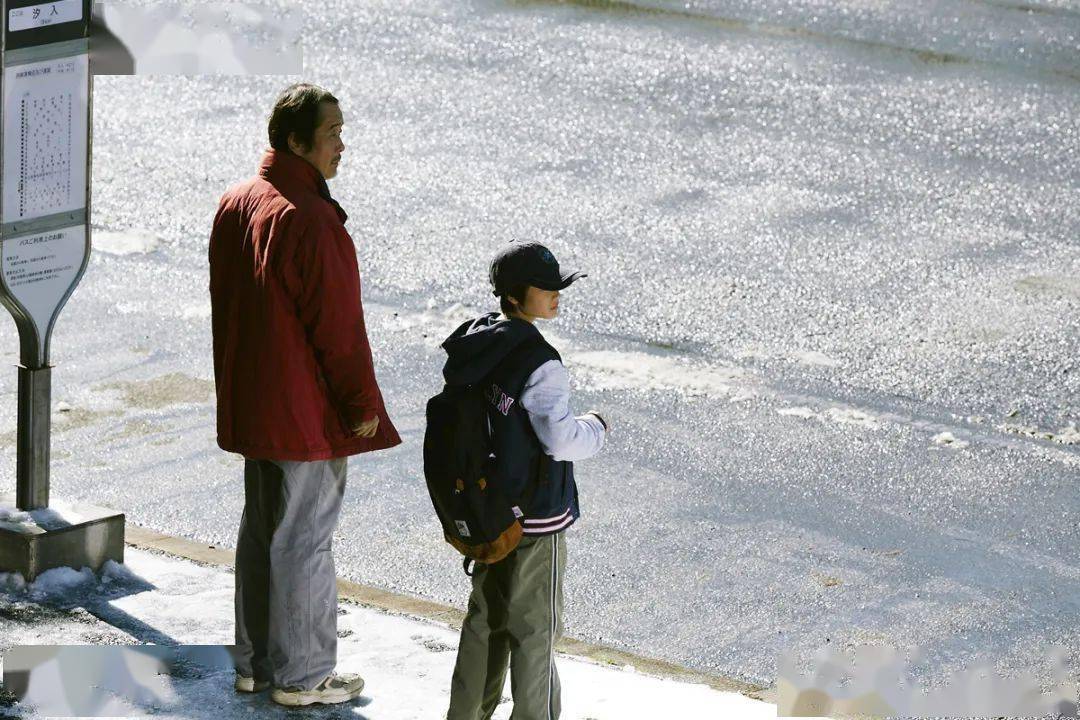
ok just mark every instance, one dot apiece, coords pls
pixel 515 615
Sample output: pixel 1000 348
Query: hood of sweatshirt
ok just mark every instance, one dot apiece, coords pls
pixel 479 345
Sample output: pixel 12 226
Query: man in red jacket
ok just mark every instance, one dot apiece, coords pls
pixel 296 395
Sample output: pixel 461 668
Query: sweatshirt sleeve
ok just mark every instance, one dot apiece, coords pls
pixel 546 398
pixel 324 281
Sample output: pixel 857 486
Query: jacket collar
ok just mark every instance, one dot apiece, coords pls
pixel 283 168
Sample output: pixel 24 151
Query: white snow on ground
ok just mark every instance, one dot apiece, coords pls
pixel 14 515
pixel 851 416
pixel 12 583
pixel 59 585
pixel 1069 435
pixel 59 514
pixel 127 242
pixel 802 412
pixel 947 439
pixel 842 415
pixel 61 582
pixel 406 663
pixel 813 357
pixel 642 371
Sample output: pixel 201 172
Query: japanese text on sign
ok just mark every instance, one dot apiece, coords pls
pixel 39 271
pixel 53 13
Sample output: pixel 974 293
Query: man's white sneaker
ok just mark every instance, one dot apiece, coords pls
pixel 250 685
pixel 334 689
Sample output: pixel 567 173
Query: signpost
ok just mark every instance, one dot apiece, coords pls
pixel 44 249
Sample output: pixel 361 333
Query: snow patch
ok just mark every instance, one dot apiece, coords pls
pixel 460 312
pixel 851 416
pixel 113 571
pixel 125 242
pixel 12 583
pixel 1055 285
pixel 440 323
pixel 802 412
pixel 842 415
pixel 59 584
pixel 813 357
pixel 402 658
pixel 1065 457
pixel 13 515
pixel 642 371
pixel 59 515
pixel 1069 435
pixel 66 585
pixel 947 439
pixel 61 581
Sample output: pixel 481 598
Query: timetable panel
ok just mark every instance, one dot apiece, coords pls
pixel 45 135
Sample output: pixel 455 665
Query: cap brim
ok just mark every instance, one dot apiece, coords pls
pixel 567 278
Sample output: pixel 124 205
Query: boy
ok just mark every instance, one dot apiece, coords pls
pixel 515 609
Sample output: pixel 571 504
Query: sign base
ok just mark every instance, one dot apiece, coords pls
pixel 97 535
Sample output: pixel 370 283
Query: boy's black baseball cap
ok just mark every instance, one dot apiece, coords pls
pixel 528 263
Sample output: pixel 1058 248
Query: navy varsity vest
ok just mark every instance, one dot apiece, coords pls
pixel 544 487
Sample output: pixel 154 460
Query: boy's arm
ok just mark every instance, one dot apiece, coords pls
pixel 546 398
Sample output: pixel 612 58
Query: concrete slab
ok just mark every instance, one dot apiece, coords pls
pixel 83 535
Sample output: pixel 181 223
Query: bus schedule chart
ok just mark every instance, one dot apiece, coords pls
pixel 45 128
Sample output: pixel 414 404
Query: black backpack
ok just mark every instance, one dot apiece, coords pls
pixel 459 466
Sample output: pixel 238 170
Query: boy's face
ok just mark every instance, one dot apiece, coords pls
pixel 540 303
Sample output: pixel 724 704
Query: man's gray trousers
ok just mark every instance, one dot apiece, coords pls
pixel 286 585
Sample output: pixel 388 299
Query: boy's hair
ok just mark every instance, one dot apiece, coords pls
pixel 297 111
pixel 517 292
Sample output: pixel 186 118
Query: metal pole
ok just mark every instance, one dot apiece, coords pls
pixel 32 464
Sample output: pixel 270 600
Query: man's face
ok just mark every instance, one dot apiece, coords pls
pixel 325 151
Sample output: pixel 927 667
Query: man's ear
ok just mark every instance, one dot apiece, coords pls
pixel 296 146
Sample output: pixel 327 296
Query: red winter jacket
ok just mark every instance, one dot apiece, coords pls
pixel 291 357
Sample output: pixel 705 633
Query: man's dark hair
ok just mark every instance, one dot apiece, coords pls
pixel 518 293
pixel 297 111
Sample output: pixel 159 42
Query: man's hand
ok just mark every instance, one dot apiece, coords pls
pixel 366 429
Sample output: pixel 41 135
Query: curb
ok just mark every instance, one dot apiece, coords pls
pixel 395 603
